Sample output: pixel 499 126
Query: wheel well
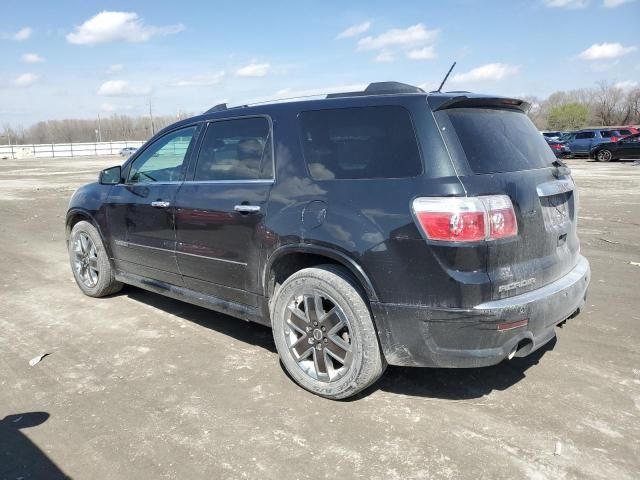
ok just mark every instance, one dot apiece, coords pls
pixel 75 218
pixel 286 265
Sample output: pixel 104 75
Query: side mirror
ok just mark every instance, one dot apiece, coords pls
pixel 110 176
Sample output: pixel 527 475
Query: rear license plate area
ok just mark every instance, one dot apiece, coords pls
pixel 555 210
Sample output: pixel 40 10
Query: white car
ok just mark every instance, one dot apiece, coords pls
pixel 127 151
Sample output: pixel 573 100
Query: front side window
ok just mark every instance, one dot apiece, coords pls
pixel 164 159
pixel 360 142
pixel 236 150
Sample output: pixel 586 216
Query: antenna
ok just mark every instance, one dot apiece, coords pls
pixel 445 77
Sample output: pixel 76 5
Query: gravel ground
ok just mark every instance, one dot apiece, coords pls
pixel 141 386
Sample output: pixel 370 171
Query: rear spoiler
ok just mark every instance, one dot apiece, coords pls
pixel 464 101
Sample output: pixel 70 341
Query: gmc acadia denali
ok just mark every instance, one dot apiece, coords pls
pixel 387 226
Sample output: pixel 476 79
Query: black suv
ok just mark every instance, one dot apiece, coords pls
pixel 387 226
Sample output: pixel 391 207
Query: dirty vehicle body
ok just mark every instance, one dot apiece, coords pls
pixel 387 226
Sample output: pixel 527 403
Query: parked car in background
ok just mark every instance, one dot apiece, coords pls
pixel 559 148
pixel 128 151
pixel 627 147
pixel 582 141
pixel 553 135
pixel 627 130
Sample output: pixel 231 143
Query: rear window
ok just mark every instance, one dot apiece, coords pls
pixel 358 143
pixel 495 140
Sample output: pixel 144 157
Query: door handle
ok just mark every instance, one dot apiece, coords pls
pixel 247 208
pixel 160 204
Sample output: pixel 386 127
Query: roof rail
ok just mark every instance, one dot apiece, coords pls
pixel 380 88
pixel 217 108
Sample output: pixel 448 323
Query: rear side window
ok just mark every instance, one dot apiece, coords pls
pixel 583 135
pixel 236 150
pixel 494 140
pixel 361 142
pixel 609 133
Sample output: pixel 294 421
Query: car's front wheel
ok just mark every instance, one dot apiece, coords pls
pixel 604 156
pixel 90 263
pixel 324 333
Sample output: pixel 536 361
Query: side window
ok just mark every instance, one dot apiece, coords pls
pixel 583 135
pixel 164 159
pixel 236 150
pixel 361 142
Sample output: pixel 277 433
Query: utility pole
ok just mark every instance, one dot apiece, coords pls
pixel 99 130
pixel 153 128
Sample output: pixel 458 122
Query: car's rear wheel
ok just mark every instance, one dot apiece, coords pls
pixel 324 333
pixel 90 263
pixel 604 156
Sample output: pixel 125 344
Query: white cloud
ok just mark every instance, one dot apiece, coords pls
pixel 603 51
pixel 627 84
pixel 121 88
pixel 114 26
pixel 615 3
pixel 485 73
pixel 201 80
pixel 384 56
pixel 355 30
pixel 424 53
pixel 254 70
pixel 25 79
pixel 23 34
pixel 399 37
pixel 32 58
pixel 116 67
pixel 571 4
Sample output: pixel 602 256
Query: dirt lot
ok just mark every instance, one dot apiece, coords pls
pixel 139 386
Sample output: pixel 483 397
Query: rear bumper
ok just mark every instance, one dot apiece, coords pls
pixel 450 337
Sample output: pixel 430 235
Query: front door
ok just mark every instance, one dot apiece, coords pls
pixel 141 212
pixel 220 210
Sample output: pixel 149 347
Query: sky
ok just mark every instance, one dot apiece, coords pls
pixel 84 58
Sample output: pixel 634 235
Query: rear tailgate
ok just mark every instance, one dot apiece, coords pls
pixel 499 151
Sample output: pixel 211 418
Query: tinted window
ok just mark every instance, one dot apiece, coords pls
pixel 495 140
pixel 624 132
pixel 582 135
pixel 609 133
pixel 236 150
pixel 164 159
pixel 363 142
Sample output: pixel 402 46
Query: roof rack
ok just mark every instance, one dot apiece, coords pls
pixel 376 88
pixel 380 88
pixel 217 108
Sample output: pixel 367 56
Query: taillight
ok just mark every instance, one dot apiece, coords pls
pixel 556 146
pixel 466 219
pixel 614 139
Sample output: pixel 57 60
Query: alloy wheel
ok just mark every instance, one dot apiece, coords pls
pixel 318 336
pixel 85 260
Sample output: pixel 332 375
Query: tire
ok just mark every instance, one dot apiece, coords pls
pixel 604 155
pixel 90 263
pixel 339 355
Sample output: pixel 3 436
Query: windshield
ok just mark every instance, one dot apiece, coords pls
pixel 494 140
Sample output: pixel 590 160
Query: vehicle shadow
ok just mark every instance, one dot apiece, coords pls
pixel 444 383
pixel 459 383
pixel 247 332
pixel 19 456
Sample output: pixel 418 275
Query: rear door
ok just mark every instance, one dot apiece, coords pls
pixel 141 212
pixel 499 151
pixel 220 210
pixel 582 141
pixel 628 147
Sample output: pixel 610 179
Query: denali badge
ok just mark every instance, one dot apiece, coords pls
pixel 513 285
